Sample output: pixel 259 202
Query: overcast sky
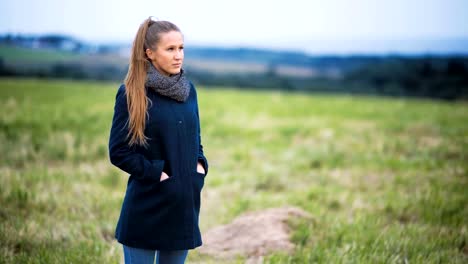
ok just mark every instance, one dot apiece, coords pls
pixel 306 25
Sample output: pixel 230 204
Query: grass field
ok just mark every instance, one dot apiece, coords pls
pixel 385 179
pixel 18 54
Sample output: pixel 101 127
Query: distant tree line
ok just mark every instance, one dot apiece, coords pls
pixel 432 77
pixel 66 70
pixel 444 78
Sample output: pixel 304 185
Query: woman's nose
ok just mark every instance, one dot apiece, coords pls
pixel 179 55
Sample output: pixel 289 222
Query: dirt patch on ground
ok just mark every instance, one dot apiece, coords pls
pixel 253 234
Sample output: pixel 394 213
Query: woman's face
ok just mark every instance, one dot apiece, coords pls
pixel 168 56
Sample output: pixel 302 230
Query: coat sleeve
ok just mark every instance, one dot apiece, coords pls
pixel 201 156
pixel 121 154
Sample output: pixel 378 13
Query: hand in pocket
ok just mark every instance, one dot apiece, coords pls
pixel 163 177
pixel 200 168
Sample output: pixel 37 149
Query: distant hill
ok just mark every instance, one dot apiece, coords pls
pixel 53 48
pixel 440 76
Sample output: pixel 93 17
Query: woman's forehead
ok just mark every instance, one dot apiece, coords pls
pixel 171 38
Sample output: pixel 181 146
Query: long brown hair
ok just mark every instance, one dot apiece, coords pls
pixel 147 37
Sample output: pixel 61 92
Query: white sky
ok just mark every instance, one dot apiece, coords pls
pixel 293 24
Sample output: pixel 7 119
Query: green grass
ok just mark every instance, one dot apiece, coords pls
pixel 18 54
pixel 385 179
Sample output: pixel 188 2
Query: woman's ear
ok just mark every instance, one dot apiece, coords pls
pixel 149 54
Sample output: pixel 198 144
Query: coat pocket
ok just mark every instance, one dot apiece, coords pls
pixel 167 189
pixel 198 183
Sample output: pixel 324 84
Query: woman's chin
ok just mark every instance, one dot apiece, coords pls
pixel 175 71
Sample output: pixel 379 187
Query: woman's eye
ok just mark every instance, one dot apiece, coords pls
pixel 170 49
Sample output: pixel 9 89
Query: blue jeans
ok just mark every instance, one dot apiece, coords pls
pixel 145 256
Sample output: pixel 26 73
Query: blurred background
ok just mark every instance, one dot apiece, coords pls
pixel 349 119
pixel 416 48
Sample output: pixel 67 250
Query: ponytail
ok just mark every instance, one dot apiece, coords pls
pixel 135 84
pixel 146 38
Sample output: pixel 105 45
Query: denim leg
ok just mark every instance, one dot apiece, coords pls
pixel 138 255
pixel 171 256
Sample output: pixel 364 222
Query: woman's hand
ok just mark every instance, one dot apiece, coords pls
pixel 200 168
pixel 163 176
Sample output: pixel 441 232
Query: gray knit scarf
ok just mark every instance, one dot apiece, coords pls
pixel 176 86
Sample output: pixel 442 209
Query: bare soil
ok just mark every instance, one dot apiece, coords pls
pixel 253 235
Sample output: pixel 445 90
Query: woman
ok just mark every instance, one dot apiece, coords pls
pixel 155 137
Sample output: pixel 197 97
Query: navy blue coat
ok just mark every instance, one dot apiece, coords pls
pixel 160 215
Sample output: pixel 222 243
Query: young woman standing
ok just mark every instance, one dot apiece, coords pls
pixel 155 137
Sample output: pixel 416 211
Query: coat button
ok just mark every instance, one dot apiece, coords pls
pixel 180 121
